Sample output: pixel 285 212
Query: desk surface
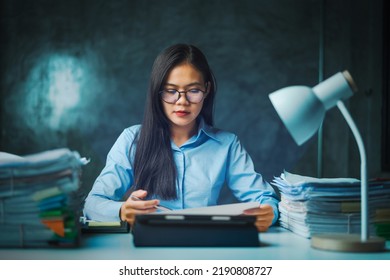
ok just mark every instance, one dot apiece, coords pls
pixel 277 243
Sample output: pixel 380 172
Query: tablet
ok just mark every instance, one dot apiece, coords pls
pixel 195 230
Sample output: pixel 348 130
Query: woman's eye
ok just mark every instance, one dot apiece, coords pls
pixel 170 91
pixel 194 90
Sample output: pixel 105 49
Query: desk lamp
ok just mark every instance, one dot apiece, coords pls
pixel 302 110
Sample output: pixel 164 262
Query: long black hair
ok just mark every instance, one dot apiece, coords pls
pixel 154 166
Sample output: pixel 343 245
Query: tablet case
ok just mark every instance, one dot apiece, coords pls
pixel 163 230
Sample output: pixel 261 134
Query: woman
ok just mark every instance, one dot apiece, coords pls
pixel 176 157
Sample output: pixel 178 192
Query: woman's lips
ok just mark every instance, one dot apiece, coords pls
pixel 181 113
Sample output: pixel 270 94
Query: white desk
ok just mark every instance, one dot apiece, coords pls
pixel 278 243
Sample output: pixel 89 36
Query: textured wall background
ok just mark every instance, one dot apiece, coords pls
pixel 74 73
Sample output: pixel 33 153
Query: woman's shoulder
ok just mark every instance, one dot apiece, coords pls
pixel 131 132
pixel 132 129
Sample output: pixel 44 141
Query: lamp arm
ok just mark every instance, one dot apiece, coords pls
pixel 363 170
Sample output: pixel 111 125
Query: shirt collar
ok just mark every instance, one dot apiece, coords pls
pixel 209 131
pixel 204 130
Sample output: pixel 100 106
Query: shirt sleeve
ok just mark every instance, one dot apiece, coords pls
pixel 105 198
pixel 245 183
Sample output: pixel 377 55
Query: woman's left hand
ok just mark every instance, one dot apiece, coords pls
pixel 264 216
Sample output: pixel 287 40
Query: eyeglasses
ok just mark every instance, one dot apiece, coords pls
pixel 193 95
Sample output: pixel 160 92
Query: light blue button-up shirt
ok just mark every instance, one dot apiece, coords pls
pixel 204 164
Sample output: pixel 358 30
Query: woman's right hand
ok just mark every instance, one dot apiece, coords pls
pixel 133 206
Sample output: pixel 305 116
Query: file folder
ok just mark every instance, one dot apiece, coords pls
pixel 89 226
pixel 174 230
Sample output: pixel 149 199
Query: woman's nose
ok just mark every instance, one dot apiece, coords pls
pixel 182 99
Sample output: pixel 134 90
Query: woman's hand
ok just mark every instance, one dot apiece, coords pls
pixel 264 216
pixel 136 205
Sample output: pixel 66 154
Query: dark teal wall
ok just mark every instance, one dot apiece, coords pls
pixel 75 73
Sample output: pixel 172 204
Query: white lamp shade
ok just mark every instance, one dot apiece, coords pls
pixel 300 109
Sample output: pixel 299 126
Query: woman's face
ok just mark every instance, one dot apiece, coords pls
pixel 183 114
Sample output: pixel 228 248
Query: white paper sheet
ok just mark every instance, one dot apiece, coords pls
pixel 226 209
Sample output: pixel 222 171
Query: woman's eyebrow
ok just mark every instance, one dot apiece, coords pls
pixel 188 85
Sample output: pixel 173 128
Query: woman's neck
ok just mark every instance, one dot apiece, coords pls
pixel 180 135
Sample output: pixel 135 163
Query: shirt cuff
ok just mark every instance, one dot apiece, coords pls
pixel 108 213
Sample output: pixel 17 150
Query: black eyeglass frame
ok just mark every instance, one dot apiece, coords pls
pixel 204 92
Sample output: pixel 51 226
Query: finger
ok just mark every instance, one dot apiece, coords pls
pixel 262 225
pixel 266 222
pixel 130 219
pixel 262 228
pixel 139 193
pixel 130 215
pixel 142 205
pixel 267 219
pixel 127 215
pixel 258 211
pixel 261 210
pixel 141 211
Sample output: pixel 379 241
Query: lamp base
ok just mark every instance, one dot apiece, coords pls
pixel 347 243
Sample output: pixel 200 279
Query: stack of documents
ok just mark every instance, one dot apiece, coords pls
pixel 38 199
pixel 311 206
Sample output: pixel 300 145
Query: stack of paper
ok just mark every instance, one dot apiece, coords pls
pixel 38 201
pixel 311 206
